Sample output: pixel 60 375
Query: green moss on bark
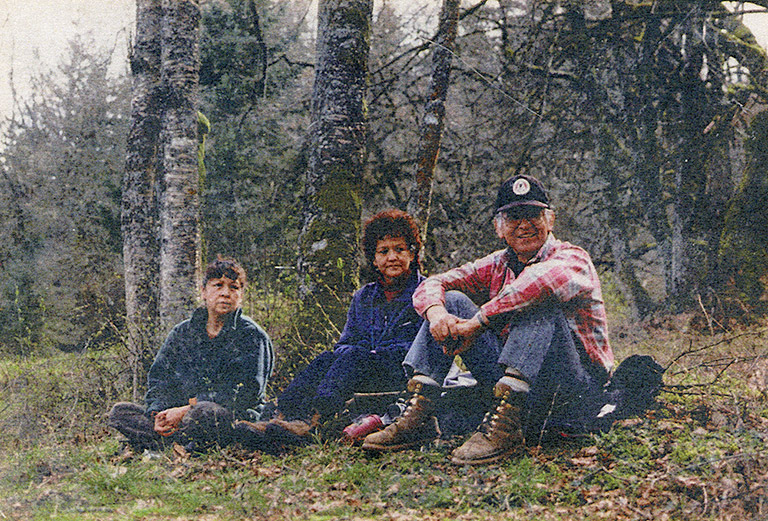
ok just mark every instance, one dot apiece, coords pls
pixel 744 242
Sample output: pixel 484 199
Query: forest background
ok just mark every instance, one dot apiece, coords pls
pixel 642 132
pixel 647 124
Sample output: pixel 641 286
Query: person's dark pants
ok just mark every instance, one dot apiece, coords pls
pixel 206 424
pixel 540 346
pixel 331 379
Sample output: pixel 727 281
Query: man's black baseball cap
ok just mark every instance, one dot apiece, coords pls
pixel 521 190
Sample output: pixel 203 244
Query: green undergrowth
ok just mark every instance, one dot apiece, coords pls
pixel 700 454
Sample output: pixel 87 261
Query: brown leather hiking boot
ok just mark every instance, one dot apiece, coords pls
pixel 415 427
pixel 499 435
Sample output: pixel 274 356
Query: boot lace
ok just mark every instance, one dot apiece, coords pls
pixel 496 419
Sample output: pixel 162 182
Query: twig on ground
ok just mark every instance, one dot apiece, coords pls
pixel 693 351
pixel 227 457
pixel 706 315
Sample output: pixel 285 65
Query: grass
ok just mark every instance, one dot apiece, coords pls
pixel 702 454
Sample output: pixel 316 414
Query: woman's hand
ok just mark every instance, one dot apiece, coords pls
pixel 167 422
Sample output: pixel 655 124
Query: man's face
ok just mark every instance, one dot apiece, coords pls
pixel 222 296
pixel 525 229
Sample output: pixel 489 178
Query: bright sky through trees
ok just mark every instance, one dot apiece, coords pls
pixel 34 35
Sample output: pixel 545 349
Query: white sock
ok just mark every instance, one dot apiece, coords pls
pixel 425 380
pixel 517 385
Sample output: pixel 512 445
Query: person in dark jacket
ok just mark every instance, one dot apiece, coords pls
pixel 381 324
pixel 211 370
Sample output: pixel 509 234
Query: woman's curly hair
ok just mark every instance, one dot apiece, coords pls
pixel 391 223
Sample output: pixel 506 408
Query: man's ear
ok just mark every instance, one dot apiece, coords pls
pixel 549 215
pixel 497 225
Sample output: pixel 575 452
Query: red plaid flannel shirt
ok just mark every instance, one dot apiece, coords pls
pixel 559 271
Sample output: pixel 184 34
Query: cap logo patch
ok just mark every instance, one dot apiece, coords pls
pixel 521 187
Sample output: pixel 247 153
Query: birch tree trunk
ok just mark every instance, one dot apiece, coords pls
pixel 434 112
pixel 179 196
pixel 139 205
pixel 331 222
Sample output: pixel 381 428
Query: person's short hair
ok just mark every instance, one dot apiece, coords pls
pixel 225 267
pixel 394 224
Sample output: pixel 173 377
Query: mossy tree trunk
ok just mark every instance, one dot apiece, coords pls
pixel 328 264
pixel 744 242
pixel 620 218
pixel 740 275
pixel 139 205
pixel 179 196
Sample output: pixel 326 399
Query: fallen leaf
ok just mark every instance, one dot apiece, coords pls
pixel 117 471
pixel 268 472
pixel 629 422
pixel 180 452
pixel 668 426
pixel 689 481
pixel 583 462
pixel 393 489
pixel 589 451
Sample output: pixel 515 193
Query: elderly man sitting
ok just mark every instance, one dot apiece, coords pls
pixel 536 345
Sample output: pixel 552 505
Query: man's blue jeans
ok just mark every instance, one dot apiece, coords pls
pixel 540 346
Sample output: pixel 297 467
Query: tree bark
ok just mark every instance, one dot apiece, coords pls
pixel 743 255
pixel 688 209
pixel 179 197
pixel 620 224
pixel 331 222
pixel 139 205
pixel 434 112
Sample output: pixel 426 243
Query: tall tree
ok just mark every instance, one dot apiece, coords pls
pixel 139 206
pixel 161 241
pixel 179 195
pixel 434 111
pixel 331 216
pixel 743 255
